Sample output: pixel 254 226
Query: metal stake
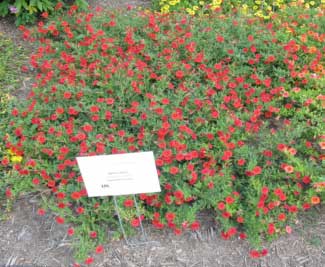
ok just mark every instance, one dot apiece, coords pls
pixel 144 235
pixel 140 220
pixel 120 221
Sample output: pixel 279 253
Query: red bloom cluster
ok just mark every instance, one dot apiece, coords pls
pixel 215 103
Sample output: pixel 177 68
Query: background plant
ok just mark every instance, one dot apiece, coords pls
pixel 259 8
pixel 26 11
pixel 223 102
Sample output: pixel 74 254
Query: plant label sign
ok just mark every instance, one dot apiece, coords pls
pixel 119 174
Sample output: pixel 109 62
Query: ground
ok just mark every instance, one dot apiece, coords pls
pixel 27 239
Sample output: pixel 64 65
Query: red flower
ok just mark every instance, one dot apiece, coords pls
pixel 230 200
pixel 241 162
pixel 281 217
pixel 67 95
pixel 89 260
pixel 128 203
pixel 267 153
pixel 220 39
pixel 80 210
pixel 170 216
pixel 179 74
pixel 173 170
pixel 195 226
pixel 254 254
pixel 168 186
pixel 179 194
pixel 177 231
pixel 135 222
pixel 60 195
pixel 221 206
pixel 232 231
pixel 70 232
pixel 288 169
pixel 226 215
pixel 306 180
pixel 75 195
pixel 93 234
pixel 87 128
pixel 250 38
pixel 99 249
pixel 41 212
pixel 59 220
pixel 35 181
pixel 264 252
pixel 315 200
pixel 242 236
pixel 271 229
pixel 265 190
pixel 45 15
pixel 94 109
pixel 281 147
pixel 227 155
pixel 257 170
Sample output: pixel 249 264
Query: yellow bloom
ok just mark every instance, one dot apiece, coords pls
pixel 190 11
pixel 164 9
pixel 16 159
pixel 10 152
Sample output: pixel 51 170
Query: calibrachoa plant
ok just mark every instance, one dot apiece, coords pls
pixel 231 107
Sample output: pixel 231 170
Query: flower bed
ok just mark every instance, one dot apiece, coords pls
pixel 231 107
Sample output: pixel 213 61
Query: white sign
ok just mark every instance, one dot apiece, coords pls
pixel 119 174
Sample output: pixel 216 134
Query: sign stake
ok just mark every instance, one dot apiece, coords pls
pixel 139 218
pixel 120 221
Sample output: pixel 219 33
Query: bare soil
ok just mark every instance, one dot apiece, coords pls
pixel 27 239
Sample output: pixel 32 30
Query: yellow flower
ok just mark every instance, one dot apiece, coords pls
pixel 164 9
pixel 10 152
pixel 16 159
pixel 190 11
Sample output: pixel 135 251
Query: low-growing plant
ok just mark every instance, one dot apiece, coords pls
pixel 231 107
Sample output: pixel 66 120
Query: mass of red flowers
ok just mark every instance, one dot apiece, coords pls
pixel 230 107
